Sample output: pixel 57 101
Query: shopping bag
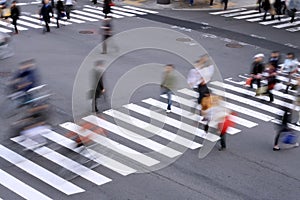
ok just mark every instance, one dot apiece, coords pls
pixel 261 90
pixel 248 81
pixel 289 137
pixel 6 12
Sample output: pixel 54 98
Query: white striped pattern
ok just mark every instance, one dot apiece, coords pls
pixel 39 172
pixel 173 122
pixel 63 161
pixel 141 9
pixel 153 129
pixel 11 26
pixel 20 188
pixel 164 150
pixel 115 146
pixel 227 11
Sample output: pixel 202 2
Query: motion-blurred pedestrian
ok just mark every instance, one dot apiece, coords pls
pixel 60 11
pixel 68 6
pixel 275 59
pixel 45 14
pixel 106 32
pixel 97 81
pixel 290 66
pixel 271 78
pixel 168 84
pixel 266 5
pixel 106 7
pixel 15 13
pixel 257 69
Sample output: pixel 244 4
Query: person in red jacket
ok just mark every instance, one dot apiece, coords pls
pixel 223 127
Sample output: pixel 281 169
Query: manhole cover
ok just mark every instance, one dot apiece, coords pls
pixel 86 32
pixel 183 40
pixel 234 45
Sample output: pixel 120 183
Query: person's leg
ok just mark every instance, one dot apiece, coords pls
pixel 265 15
pixel 271 95
pixel 211 2
pixel 15 26
pixel 276 141
pixel 57 20
pixel 225 4
pixel 223 141
pixel 258 83
pixel 169 94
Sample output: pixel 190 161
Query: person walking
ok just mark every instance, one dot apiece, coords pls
pixel 68 6
pixel 225 2
pixel 277 9
pixel 106 7
pixel 290 66
pixel 257 69
pixel 266 5
pixel 45 14
pixel 97 81
pixel 271 78
pixel 107 33
pixel 259 2
pixel 15 13
pixel 275 59
pixel 223 126
pixel 60 11
pixel 168 84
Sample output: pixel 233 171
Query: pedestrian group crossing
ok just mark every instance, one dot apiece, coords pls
pixel 87 14
pixel 251 110
pixel 255 16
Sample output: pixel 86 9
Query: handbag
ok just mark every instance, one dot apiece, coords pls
pixel 261 90
pixel 248 81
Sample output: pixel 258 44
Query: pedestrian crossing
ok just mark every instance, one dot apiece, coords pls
pixel 87 14
pixel 254 16
pixel 123 150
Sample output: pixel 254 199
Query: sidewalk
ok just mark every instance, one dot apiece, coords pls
pixel 184 4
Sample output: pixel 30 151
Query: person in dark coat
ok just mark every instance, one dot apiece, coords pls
pixel 266 5
pixel 106 7
pixel 60 9
pixel 275 59
pixel 257 69
pixel 97 75
pixel 277 6
pixel 15 13
pixel 45 14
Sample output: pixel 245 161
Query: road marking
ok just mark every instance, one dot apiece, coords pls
pixel 140 9
pixel 98 10
pixel 227 11
pixel 63 161
pixel 90 154
pixel 28 24
pixel 275 21
pixel 20 188
pixel 54 21
pixel 87 14
pixel 173 122
pixel 37 21
pixel 72 15
pixel 3 30
pixel 127 10
pixel 294 29
pixel 234 107
pixel 39 172
pixel 141 140
pixel 115 146
pixel 240 13
pixel 287 24
pixel 251 93
pixel 249 16
pixel 153 129
pixel 8 25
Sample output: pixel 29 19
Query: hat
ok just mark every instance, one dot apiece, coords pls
pixel 260 55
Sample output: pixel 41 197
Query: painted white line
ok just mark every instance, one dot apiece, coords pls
pixel 258 19
pixel 20 28
pixel 141 9
pixel 187 114
pixel 54 21
pixel 234 107
pixel 100 13
pixel 240 13
pixel 72 15
pixel 29 24
pixel 189 103
pixel 153 129
pixel 115 146
pixel 141 140
pixel 294 29
pixel 91 154
pixel 252 93
pixel 98 10
pixel 287 24
pixel 227 11
pixel 39 172
pixel 130 11
pixel 3 30
pixel 63 161
pixel 275 21
pixel 249 16
pixel 173 122
pixel 20 188
pixel 292 126
pixel 87 14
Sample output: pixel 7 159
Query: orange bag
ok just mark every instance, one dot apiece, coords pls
pixel 248 81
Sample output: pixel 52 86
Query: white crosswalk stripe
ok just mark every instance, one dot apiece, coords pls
pixel 20 188
pixel 87 14
pixel 39 172
pixel 255 16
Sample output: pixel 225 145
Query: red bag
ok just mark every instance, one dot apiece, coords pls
pixel 223 126
pixel 112 3
pixel 248 81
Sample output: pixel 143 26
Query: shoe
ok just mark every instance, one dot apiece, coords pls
pixel 222 149
pixel 297 123
pixel 168 111
pixel 276 148
pixel 296 144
